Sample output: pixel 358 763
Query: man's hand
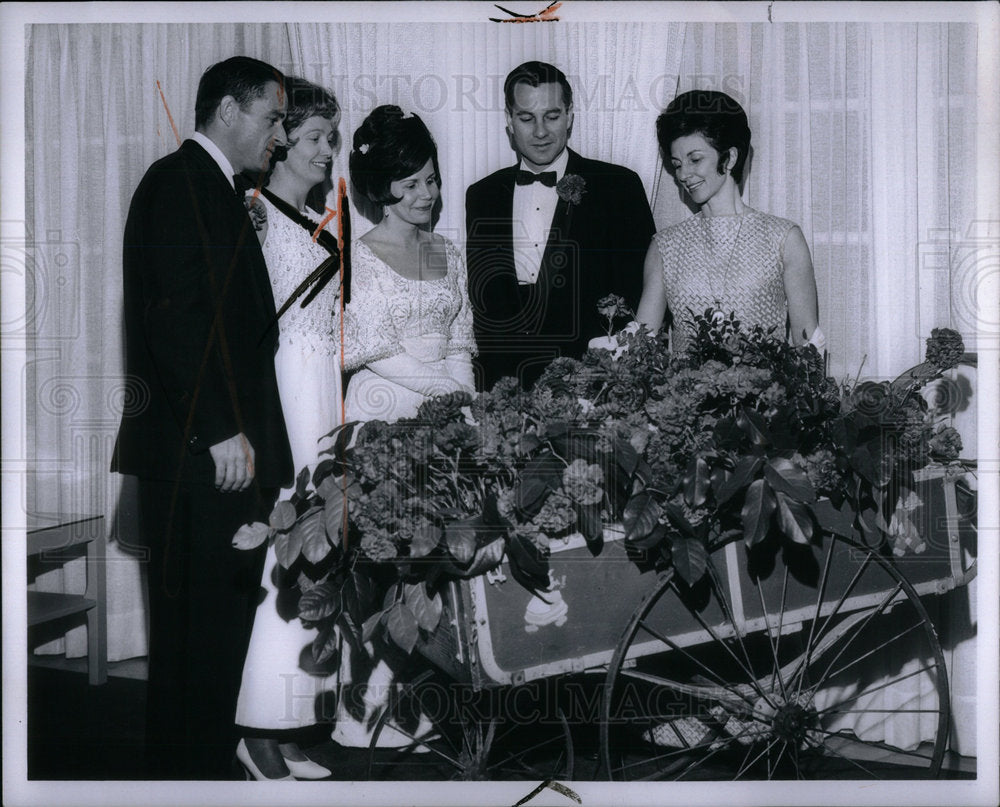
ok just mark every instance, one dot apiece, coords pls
pixel 234 463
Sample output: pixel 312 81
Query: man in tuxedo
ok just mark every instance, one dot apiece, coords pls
pixel 203 428
pixel 549 237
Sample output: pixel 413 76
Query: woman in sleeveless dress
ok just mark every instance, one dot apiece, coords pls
pixel 728 256
pixel 277 697
pixel 408 329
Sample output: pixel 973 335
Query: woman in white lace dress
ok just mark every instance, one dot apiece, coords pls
pixel 277 697
pixel 408 328
pixel 409 325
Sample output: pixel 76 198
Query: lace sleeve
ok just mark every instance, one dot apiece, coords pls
pixel 369 333
pixel 461 337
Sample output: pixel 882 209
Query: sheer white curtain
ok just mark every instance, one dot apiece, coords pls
pixel 865 135
pixel 452 76
pixel 95 120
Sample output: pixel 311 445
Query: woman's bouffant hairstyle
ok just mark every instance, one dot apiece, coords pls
pixel 713 115
pixel 304 100
pixel 389 145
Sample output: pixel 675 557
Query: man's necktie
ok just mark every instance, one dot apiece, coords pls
pixel 547 178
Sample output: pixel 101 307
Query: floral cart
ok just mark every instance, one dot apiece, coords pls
pixel 722 554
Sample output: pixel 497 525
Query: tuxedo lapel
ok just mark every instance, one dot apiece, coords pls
pixel 560 233
pixel 240 227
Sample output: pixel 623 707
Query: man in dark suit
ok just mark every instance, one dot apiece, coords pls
pixel 203 428
pixel 548 237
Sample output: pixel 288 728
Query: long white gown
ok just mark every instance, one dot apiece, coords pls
pixel 276 693
pixel 389 316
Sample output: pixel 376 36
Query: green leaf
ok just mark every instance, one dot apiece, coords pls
pixel 370 626
pixel 839 521
pixel 746 469
pixel 333 516
pixel 756 513
pixel 426 609
pixel 283 515
pixel 324 470
pixel 460 537
pixel 540 476
pixel 425 540
pixel 320 602
pixel 359 595
pixel 675 514
pixel 288 547
pixel 315 547
pixel 658 533
pixel 793 519
pixel 754 426
pixel 864 463
pixel 786 476
pixel 641 515
pixel 250 536
pixel 696 482
pixel 402 625
pixel 302 482
pixel 528 566
pixel 690 558
pixel 626 456
pixel 331 486
pixel 324 646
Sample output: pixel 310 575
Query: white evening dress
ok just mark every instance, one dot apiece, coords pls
pixel 276 693
pixel 388 316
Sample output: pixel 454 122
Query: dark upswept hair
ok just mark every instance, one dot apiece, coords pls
pixel 389 145
pixel 533 74
pixel 240 76
pixel 713 115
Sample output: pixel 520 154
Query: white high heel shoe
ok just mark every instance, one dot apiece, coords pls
pixel 306 769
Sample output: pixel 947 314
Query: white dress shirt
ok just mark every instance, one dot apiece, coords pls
pixel 216 154
pixel 534 207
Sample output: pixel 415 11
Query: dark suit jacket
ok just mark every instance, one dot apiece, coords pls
pixel 595 248
pixel 198 351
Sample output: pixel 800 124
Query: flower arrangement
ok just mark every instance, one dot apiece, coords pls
pixel 742 435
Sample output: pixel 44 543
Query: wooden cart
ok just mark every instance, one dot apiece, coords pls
pixel 788 665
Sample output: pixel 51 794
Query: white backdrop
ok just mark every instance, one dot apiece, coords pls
pixel 870 148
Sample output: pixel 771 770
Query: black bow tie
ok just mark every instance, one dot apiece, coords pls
pixel 242 184
pixel 547 178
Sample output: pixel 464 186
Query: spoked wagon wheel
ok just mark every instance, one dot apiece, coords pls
pixel 824 665
pixel 454 734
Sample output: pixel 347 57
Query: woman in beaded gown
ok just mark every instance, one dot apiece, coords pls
pixel 728 256
pixel 408 328
pixel 277 697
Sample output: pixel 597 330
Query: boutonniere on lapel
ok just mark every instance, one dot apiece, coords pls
pixel 257 211
pixel 571 188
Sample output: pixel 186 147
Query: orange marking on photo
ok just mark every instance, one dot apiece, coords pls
pixel 169 116
pixel 326 220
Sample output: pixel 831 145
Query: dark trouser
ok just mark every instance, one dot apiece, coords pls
pixel 202 597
